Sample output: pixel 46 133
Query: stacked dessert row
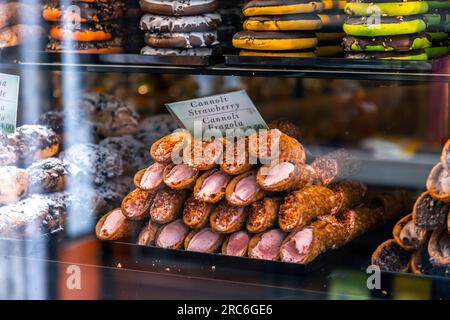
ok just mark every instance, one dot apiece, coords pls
pixel 180 27
pixel 224 201
pixel 331 34
pixel 421 239
pixel 438 27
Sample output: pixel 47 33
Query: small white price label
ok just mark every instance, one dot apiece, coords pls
pixel 9 97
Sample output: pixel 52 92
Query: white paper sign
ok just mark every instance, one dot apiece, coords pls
pixel 9 97
pixel 234 110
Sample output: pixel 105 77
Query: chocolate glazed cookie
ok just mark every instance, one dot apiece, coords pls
pixel 181 40
pixel 179 7
pixel 167 24
pixel 87 12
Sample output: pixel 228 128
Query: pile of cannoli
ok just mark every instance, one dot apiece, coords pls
pixel 421 239
pixel 277 207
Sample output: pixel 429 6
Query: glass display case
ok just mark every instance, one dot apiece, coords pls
pixel 363 173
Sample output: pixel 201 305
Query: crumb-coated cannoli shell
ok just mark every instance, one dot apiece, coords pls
pixel 122 232
pixel 349 194
pixel 196 213
pixel 235 157
pixel 226 218
pixel 392 203
pixel 212 198
pixel 416 263
pixel 439 247
pixel 167 205
pixel 438 183
pixel 389 256
pixel 241 253
pixel 137 179
pixel 360 220
pixel 255 239
pixel 335 166
pixel 180 242
pixel 286 127
pixel 422 235
pixel 421 264
pixel 147 234
pixel 182 184
pixel 445 156
pixel 263 214
pixel 303 175
pixel 301 207
pixel 139 199
pixel 213 248
pixel 203 154
pixel 429 213
pixel 170 145
pixel 231 187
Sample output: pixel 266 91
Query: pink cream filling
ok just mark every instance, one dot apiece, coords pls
pixel 179 173
pixel 203 240
pixel 269 245
pixel 279 172
pixel 152 176
pixel 237 243
pixel 297 247
pixel 245 188
pixel 112 223
pixel 172 234
pixel 213 184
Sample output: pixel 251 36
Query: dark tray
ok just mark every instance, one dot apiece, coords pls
pixel 194 61
pixel 435 65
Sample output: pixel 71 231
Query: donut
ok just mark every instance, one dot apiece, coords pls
pixel 179 7
pixel 181 40
pixel 280 7
pixel 406 55
pixel 330 36
pixel 86 32
pixel 385 8
pixel 96 47
pixel 86 11
pixel 305 21
pixel 406 42
pixel 165 24
pixel 329 50
pixel 333 4
pixel 284 54
pixel 274 41
pixel 438 22
pixel 200 52
pixel 332 21
pixel 384 26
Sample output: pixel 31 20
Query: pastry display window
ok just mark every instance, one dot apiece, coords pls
pixel 89 184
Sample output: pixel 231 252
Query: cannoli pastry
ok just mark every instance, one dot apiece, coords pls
pixel 438 183
pixel 439 248
pixel 151 178
pixel 445 156
pixel 263 214
pixel 392 203
pixel 408 235
pixel 390 256
pixel 286 176
pixel 148 234
pixel 286 127
pixel 301 207
pixel 172 235
pixel 421 265
pixel 167 205
pixel 203 154
pixel 179 176
pixel 113 226
pixel 236 244
pixel 227 218
pixel 13 184
pixel 210 186
pixel 48 175
pixel 235 158
pixel 169 147
pixel 243 190
pixel 196 213
pixel 428 213
pixel 266 245
pixel 203 240
pixel 335 166
pixel 349 194
pixel 136 204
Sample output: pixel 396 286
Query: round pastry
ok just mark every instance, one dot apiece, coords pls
pixel 274 41
pixel 436 52
pixel 280 7
pixel 194 52
pixel 333 37
pixel 329 50
pixel 384 26
pixel 93 11
pixel 179 7
pixel 439 247
pixel 282 54
pixel 86 32
pixel 333 4
pixel 405 42
pixel 13 184
pixel 168 24
pixel 392 8
pixel 305 21
pixel 389 256
pixel 35 142
pixel 113 226
pixel 407 55
pixel 437 22
pixel 92 47
pixel 181 40
pixel 48 175
pixel 408 235
pixel 332 21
